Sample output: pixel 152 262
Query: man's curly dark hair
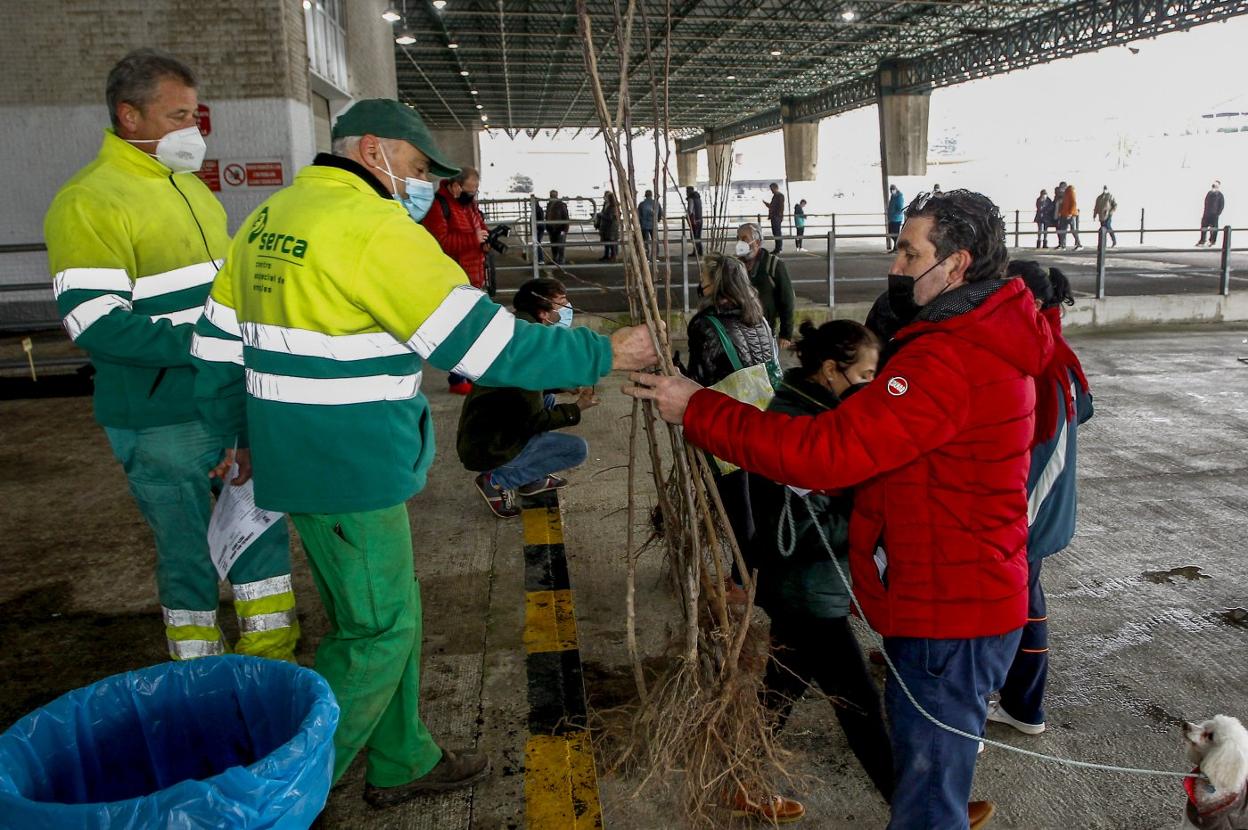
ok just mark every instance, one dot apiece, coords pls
pixel 965 220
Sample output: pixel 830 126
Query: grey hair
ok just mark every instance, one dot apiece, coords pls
pixel 754 229
pixel 731 288
pixel 345 145
pixel 134 78
pixel 466 173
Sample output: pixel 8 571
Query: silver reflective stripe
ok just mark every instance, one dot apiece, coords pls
pixel 178 617
pixel 270 587
pixel 85 314
pixel 332 391
pixel 190 276
pixel 307 343
pixel 216 350
pixel 181 318
pixel 489 345
pixel 190 649
pixel 1052 471
pixel 91 279
pixel 266 622
pixel 449 314
pixel 222 316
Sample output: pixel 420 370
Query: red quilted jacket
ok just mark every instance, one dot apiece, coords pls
pixel 457 233
pixel 938 449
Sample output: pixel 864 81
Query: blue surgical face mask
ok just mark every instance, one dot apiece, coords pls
pixel 419 193
pixel 565 316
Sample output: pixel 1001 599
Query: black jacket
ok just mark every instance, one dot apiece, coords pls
pixel 1215 202
pixel 1044 211
pixel 693 206
pixel 770 278
pixel 803 584
pixel 708 362
pixel 496 423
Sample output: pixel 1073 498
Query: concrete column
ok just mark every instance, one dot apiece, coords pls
pixel 460 147
pixel 687 169
pixel 801 145
pixel 719 161
pixel 903 123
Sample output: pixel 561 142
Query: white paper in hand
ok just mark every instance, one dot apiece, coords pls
pixel 236 522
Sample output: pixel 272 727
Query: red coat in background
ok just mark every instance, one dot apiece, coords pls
pixel 455 227
pixel 938 449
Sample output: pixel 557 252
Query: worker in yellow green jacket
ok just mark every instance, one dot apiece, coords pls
pixel 134 240
pixel 310 351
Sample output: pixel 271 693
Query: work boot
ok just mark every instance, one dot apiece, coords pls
pixel 457 769
pixel 979 812
pixel 502 502
pixel 773 810
pixel 541 485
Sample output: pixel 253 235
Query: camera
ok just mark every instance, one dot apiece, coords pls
pixel 495 239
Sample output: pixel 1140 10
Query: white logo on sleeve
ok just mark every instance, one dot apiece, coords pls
pixel 898 386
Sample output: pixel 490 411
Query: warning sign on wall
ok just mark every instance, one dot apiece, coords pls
pixel 264 174
pixel 203 119
pixel 234 175
pixel 210 174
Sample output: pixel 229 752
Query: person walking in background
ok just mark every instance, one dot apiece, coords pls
pixel 1067 216
pixel 1043 218
pixel 1215 202
pixel 649 214
pixel 608 222
pixel 693 209
pixel 775 213
pixel 799 222
pixel 896 215
pixel 557 226
pixel 1103 211
pixel 770 278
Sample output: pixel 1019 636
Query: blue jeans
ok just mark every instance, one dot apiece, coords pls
pixel 1022 696
pixel 546 452
pixel 951 679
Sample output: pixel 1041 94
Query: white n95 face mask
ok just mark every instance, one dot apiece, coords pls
pixel 742 250
pixel 182 151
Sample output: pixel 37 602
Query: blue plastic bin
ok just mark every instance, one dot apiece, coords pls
pixel 221 742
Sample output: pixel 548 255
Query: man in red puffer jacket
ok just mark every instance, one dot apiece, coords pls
pixel 456 222
pixel 938 451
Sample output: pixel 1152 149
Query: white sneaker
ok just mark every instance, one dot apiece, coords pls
pixel 999 715
pixel 980 751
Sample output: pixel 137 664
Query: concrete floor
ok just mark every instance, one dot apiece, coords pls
pixel 1145 606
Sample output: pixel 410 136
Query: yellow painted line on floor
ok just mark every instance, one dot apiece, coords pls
pixel 549 621
pixel 542 526
pixel 560 783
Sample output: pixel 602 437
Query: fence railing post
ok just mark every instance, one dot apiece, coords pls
pixel 1016 229
pixel 1225 288
pixel 1100 263
pixel 1141 226
pixel 684 268
pixel 536 247
pixel 832 266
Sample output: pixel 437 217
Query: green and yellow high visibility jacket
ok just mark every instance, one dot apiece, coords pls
pixel 133 249
pixel 311 344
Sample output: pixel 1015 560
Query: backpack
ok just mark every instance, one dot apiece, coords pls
pixel 445 205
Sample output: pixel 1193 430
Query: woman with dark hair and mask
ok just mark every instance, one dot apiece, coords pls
pixel 731 317
pixel 798 584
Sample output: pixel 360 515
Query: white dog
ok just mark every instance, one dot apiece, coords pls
pixel 1219 748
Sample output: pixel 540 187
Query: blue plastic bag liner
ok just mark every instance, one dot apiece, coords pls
pixel 221 742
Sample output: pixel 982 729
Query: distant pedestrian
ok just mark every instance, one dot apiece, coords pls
pixel 1067 216
pixel 1043 218
pixel 775 213
pixel 1215 202
pixel 557 226
pixel 896 215
pixel 608 224
pixel 539 225
pixel 693 209
pixel 649 214
pixel 799 222
pixel 1103 210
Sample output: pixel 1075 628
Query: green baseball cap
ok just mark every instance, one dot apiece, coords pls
pixel 388 118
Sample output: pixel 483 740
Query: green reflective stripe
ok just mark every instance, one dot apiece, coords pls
pixel 87 314
pixel 276 363
pixel 264 605
pixel 457 343
pixel 341 347
pixel 216 349
pixel 486 349
pixel 190 299
pixel 332 391
pixel 461 302
pixel 222 316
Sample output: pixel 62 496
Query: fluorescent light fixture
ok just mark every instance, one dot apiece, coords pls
pixel 452 45
pixel 480 106
pixel 848 15
pixel 485 118
pixel 439 4
pixel 474 92
pixel 775 53
pixel 463 73
pixel 405 38
pixel 391 15
pixel 732 77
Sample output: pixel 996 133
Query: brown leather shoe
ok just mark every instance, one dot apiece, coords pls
pixel 458 768
pixel 979 812
pixel 774 810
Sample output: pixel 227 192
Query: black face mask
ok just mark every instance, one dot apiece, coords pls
pixel 853 388
pixel 466 198
pixel 901 294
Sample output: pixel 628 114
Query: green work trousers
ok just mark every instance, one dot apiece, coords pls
pixel 167 468
pixel 362 564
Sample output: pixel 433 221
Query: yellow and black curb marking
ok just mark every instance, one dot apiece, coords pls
pixel 560 781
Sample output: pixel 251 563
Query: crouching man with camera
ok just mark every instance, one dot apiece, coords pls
pixel 456 222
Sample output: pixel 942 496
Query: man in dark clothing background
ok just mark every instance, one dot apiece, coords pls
pixel 556 225
pixel 1215 203
pixel 693 208
pixel 770 278
pixel 539 222
pixel 775 212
